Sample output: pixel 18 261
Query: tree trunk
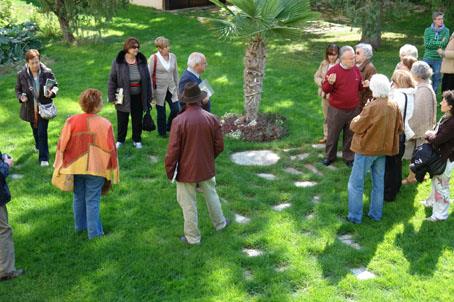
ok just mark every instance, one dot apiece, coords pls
pixel 63 20
pixel 254 71
pixel 372 24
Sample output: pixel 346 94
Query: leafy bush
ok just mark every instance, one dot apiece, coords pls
pixel 16 39
pixel 6 13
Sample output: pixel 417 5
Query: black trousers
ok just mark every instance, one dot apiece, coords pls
pixel 136 119
pixel 40 136
pixel 161 114
pixel 393 177
pixel 447 83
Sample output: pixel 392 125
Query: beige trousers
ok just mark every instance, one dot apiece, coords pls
pixel 7 259
pixel 325 104
pixel 186 197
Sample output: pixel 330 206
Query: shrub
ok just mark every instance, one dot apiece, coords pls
pixel 16 39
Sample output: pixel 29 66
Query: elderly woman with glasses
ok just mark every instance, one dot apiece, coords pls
pixel 363 57
pixel 130 90
pixel 331 59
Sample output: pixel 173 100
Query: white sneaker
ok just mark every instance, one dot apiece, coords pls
pixel 137 145
pixel 44 163
pixel 118 145
pixel 426 203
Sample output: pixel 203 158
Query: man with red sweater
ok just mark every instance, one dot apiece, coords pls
pixel 343 82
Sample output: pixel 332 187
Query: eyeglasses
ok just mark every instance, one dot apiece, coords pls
pixel 135 47
pixel 332 54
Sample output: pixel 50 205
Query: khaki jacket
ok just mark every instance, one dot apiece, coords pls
pixel 376 129
pixel 166 80
pixel 447 65
pixel 319 76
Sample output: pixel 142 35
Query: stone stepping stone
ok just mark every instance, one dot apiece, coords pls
pixel 255 158
pixel 331 167
pixel 339 154
pixel 290 149
pixel 248 276
pixel 348 240
pixel 153 159
pixel 301 156
pixel 310 216
pixel 362 273
pixel 293 171
pixel 267 176
pixel 16 176
pixel 318 146
pixel 305 184
pixel 281 268
pixel 242 219
pixel 253 252
pixel 282 206
pixel 316 199
pixel 313 169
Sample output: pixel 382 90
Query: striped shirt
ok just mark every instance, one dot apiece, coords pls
pixel 134 80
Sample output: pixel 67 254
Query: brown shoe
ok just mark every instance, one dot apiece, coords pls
pixel 408 181
pixel 322 141
pixel 12 275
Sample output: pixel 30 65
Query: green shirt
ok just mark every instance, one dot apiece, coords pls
pixel 432 43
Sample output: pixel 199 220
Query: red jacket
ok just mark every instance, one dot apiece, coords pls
pixel 195 141
pixel 344 93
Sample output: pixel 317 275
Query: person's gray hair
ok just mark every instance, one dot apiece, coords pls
pixel 345 49
pixel 436 14
pixel 408 50
pixel 421 70
pixel 368 50
pixel 195 58
pixel 379 85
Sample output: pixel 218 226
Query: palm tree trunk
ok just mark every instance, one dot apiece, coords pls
pixel 254 71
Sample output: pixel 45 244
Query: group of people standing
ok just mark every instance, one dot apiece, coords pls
pixel 384 121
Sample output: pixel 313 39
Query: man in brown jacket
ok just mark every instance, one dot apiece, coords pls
pixel 195 141
pixel 376 134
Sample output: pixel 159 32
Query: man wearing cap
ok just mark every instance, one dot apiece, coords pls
pixel 195 141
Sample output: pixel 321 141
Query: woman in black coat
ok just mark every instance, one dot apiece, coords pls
pixel 30 91
pixel 442 139
pixel 130 90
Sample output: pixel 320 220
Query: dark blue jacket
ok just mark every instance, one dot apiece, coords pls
pixel 187 77
pixel 5 195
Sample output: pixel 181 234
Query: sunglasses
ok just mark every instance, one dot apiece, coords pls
pixel 332 54
pixel 135 47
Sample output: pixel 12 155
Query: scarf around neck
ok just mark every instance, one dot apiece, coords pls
pixel 437 30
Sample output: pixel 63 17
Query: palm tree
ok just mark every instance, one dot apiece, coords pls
pixel 255 21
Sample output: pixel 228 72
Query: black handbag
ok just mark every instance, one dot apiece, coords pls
pixel 426 159
pixel 402 137
pixel 147 122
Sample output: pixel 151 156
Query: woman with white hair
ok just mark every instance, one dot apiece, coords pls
pixel 424 111
pixel 163 69
pixel 376 134
pixel 406 51
pixel 363 57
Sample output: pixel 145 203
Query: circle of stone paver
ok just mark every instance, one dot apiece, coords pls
pixel 331 167
pixel 241 219
pixel 305 184
pixel 316 199
pixel 301 156
pixel 267 176
pixel 362 273
pixel 255 158
pixel 253 252
pixel 248 276
pixel 339 153
pixel 318 146
pixel 313 169
pixel 310 216
pixel 17 176
pixel 153 159
pixel 293 171
pixel 281 268
pixel 282 206
pixel 348 240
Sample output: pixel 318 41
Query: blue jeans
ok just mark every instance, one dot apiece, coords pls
pixel 87 197
pixel 361 165
pixel 435 64
pixel 40 136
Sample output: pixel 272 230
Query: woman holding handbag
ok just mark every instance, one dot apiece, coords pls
pixel 442 139
pixel 130 90
pixel 35 88
pixel 164 76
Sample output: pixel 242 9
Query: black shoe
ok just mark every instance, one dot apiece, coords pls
pixel 349 163
pixel 12 275
pixel 327 162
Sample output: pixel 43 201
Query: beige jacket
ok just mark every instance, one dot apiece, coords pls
pixel 424 110
pixel 320 74
pixel 165 79
pixel 447 65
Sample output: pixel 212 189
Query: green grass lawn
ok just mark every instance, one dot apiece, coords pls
pixel 141 258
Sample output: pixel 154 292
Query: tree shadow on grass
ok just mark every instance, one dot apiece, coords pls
pixel 338 258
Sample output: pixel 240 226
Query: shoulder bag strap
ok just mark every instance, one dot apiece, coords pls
pixel 153 76
pixel 405 109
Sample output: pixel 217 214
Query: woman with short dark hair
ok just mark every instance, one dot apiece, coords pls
pixel 331 59
pixel 442 139
pixel 130 90
pixel 31 90
pixel 86 162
